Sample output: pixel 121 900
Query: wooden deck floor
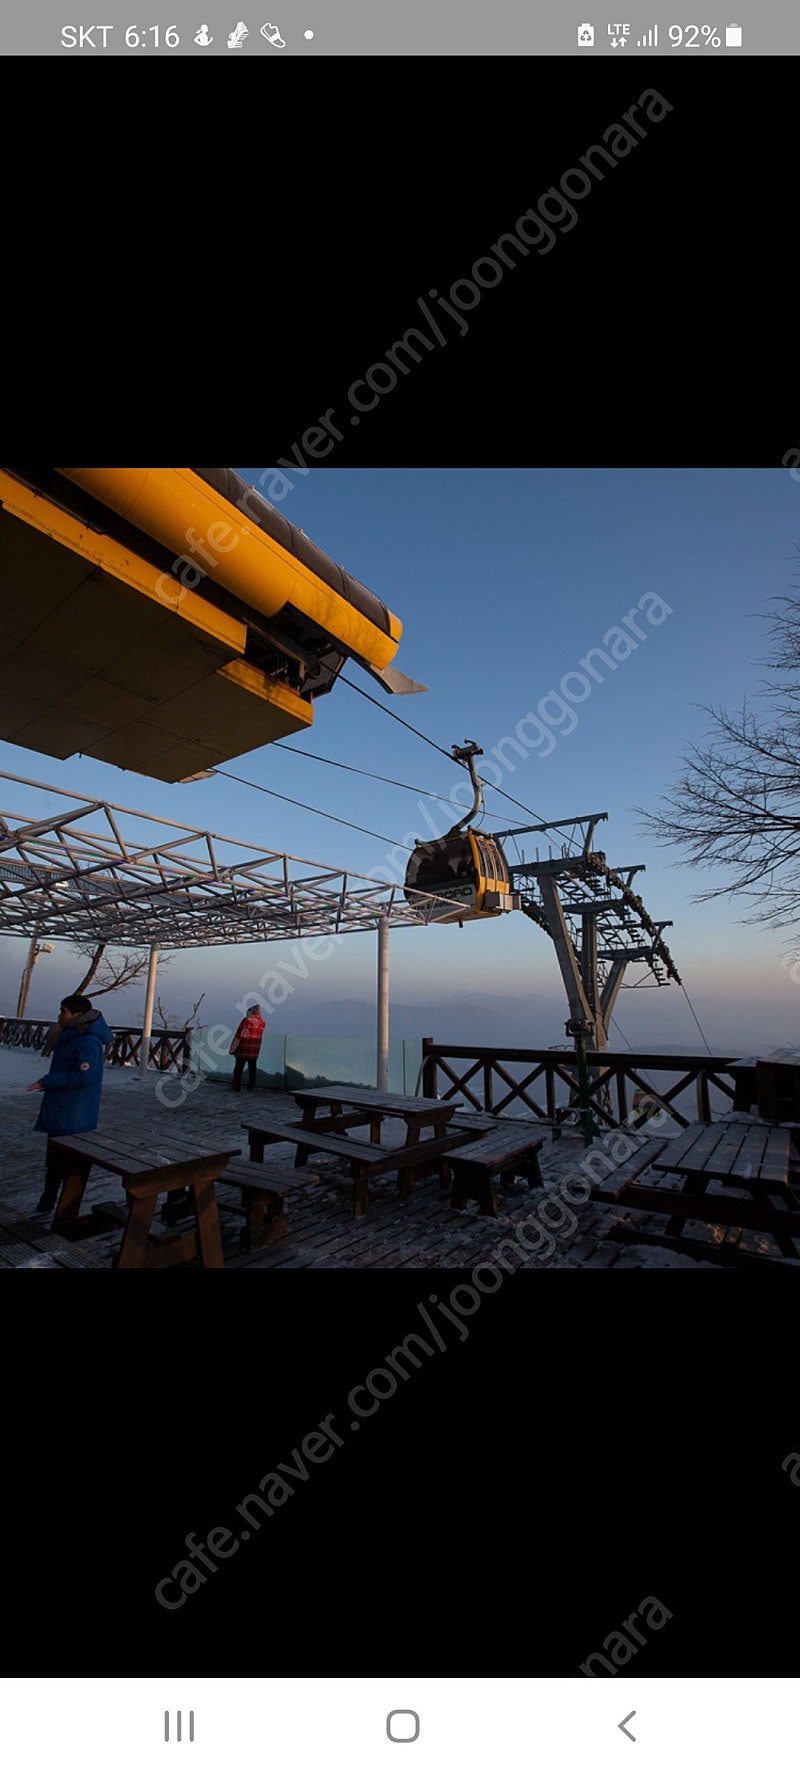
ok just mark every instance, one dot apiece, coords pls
pixel 421 1232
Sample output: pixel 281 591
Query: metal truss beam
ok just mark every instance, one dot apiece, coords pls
pixel 134 879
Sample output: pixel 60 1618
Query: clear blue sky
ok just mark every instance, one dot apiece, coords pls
pixel 504 581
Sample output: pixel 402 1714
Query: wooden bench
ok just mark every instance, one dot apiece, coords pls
pixel 480 1166
pixel 484 1121
pixel 263 1190
pixel 339 1121
pixel 618 1185
pixel 366 1159
pixel 478 1123
pixel 308 1139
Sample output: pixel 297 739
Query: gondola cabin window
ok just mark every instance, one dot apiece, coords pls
pixel 467 869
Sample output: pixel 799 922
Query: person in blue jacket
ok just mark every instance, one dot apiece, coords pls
pixel 72 1088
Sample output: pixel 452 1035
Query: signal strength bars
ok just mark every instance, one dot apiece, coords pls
pixel 191 1725
pixel 650 39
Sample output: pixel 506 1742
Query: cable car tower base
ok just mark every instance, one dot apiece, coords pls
pixel 598 925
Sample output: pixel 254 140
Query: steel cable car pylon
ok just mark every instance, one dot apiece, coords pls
pixel 465 868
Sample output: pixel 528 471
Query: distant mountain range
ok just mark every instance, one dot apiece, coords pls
pixel 493 1020
pixel 484 1019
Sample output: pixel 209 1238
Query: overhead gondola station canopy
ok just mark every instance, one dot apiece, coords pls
pixel 168 620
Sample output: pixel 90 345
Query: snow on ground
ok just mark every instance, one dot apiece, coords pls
pixel 19 1067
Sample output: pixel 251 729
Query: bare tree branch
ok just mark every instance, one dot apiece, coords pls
pixel 736 806
pixel 95 959
pixel 107 972
pixel 169 1021
pixel 188 1024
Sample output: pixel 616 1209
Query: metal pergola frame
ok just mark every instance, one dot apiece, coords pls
pixel 173 887
pixel 176 887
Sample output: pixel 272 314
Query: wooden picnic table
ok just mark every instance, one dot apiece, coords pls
pixel 748 1158
pixel 147 1167
pixel 370 1106
pixel 328 1113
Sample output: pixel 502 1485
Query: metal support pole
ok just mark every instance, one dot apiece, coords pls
pixel 147 1023
pixel 383 1004
pixel 27 973
pixel 35 950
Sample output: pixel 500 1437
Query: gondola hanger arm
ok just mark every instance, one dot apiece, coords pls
pixel 466 756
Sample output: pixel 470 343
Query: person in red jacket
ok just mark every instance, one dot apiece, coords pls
pixel 246 1045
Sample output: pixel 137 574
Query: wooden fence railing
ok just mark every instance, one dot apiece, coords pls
pixel 549 1087
pixel 543 1082
pixel 170 1051
pixel 26 1034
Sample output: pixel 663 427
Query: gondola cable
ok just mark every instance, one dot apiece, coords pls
pixel 309 809
pixel 380 778
pixel 642 984
pixel 394 715
pixel 435 744
pixel 697 1021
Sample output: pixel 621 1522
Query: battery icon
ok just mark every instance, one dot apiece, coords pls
pixel 733 36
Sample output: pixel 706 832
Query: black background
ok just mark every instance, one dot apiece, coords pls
pixel 597 1439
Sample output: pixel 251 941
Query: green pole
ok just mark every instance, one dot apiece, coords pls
pixel 584 1096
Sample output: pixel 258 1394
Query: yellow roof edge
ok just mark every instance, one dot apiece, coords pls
pixel 114 559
